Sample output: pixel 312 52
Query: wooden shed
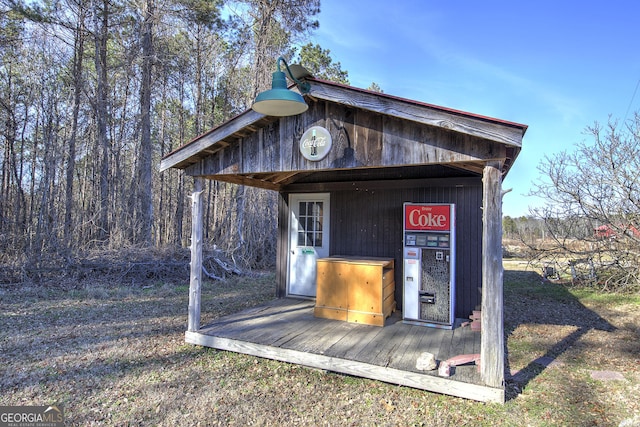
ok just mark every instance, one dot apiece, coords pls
pixel 343 170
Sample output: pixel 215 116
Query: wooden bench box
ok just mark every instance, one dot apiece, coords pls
pixel 354 289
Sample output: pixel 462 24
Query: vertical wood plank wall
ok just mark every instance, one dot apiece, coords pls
pixel 282 247
pixel 368 222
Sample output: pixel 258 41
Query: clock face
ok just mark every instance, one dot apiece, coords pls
pixel 315 143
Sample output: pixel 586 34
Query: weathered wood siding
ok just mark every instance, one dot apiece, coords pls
pixel 492 342
pixel 282 247
pixel 352 115
pixel 366 220
pixel 360 139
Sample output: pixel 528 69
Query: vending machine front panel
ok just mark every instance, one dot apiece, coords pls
pixel 435 287
pixel 429 264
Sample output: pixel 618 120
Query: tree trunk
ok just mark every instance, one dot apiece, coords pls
pixel 101 34
pixel 144 200
pixel 263 62
pixel 71 149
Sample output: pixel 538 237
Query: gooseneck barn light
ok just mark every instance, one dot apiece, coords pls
pixel 280 101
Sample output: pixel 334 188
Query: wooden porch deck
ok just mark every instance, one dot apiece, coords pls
pixel 286 330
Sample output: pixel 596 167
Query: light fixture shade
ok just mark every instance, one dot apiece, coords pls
pixel 279 101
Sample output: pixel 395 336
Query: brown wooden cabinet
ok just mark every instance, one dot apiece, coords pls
pixel 355 289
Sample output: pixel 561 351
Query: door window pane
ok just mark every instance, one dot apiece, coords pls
pixel 310 217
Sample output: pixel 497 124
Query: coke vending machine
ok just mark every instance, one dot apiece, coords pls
pixel 429 264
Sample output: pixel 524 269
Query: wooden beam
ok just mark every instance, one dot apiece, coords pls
pixel 195 282
pixel 352 367
pixel 483 127
pixel 319 187
pixel 492 341
pixel 245 180
pixel 282 177
pixel 180 157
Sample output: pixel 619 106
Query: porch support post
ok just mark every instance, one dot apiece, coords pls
pixel 492 339
pixel 195 282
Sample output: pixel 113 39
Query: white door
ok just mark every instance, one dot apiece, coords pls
pixel 308 240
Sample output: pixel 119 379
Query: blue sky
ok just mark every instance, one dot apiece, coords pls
pixel 555 66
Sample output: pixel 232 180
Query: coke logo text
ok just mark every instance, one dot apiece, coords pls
pixel 432 217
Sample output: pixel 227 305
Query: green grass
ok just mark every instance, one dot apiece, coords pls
pixel 608 299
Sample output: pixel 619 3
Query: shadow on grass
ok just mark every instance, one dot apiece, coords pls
pixel 64 335
pixel 530 299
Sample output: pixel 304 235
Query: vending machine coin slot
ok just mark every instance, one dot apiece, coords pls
pixel 429 298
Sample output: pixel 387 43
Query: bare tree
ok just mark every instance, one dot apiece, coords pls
pixel 274 25
pixel 108 89
pixel 77 78
pixel 144 200
pixel 592 214
pixel 101 15
pixel 12 95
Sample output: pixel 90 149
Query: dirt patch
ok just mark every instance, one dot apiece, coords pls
pixel 114 354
